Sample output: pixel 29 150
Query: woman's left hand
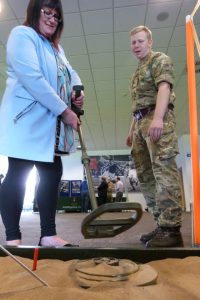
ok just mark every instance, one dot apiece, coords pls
pixel 78 102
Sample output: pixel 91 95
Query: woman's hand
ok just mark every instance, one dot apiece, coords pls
pixel 78 102
pixel 70 118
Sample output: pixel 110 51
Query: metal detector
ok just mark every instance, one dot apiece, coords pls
pixel 94 226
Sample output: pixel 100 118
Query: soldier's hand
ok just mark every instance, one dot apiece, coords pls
pixel 155 130
pixel 129 140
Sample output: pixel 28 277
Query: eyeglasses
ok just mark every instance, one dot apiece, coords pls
pixel 48 14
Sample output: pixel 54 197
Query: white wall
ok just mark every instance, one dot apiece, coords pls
pixel 137 198
pixel 72 167
pixel 184 161
pixel 3 164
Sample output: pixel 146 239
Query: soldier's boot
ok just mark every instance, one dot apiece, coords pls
pixel 166 237
pixel 148 236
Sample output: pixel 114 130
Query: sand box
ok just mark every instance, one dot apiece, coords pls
pixel 178 279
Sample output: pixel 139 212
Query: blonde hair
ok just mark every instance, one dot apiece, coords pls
pixel 142 28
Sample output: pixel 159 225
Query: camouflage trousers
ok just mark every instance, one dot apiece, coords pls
pixel 157 170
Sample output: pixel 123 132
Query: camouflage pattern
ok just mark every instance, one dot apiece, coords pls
pixel 153 69
pixel 157 171
pixel 155 162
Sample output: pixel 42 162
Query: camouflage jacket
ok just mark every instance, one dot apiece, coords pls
pixel 152 70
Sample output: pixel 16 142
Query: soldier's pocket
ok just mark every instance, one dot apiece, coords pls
pixel 166 147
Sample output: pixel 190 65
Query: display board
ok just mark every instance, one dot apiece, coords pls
pixel 111 166
pixel 69 197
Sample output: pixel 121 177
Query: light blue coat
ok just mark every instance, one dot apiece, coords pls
pixel 30 103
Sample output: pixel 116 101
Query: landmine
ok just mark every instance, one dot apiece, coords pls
pixel 91 272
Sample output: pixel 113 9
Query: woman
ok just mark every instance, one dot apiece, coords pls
pixel 36 122
pixel 110 190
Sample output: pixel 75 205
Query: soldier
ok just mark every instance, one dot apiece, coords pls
pixel 154 141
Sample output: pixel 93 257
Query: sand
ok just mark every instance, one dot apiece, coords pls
pixel 178 279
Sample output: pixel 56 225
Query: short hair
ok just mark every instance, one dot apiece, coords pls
pixel 142 28
pixel 33 15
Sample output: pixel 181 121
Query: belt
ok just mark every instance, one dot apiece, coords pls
pixel 141 113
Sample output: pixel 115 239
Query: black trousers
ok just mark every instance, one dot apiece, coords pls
pixel 85 202
pixel 12 192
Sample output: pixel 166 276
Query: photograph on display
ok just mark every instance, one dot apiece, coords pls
pixel 65 188
pixel 112 166
pixel 75 187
